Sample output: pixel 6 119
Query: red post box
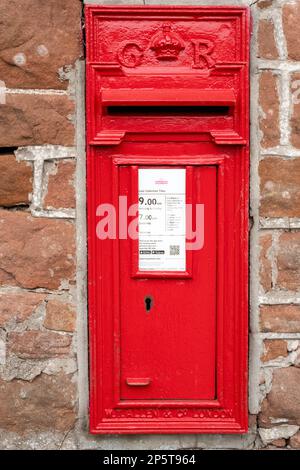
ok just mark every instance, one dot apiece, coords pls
pixel 167 138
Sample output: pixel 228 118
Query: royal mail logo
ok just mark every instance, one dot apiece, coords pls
pixel 161 181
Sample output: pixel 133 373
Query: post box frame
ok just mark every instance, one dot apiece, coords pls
pixel 228 150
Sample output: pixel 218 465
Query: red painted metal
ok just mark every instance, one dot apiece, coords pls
pixel 163 97
pixel 183 367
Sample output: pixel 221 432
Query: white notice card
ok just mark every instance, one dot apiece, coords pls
pixel 162 219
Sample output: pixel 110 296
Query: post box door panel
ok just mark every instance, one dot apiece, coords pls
pixel 167 348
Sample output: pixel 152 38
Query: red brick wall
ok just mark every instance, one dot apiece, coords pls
pixel 40 43
pixel 278 214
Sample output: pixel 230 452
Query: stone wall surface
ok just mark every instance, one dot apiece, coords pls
pixel 275 308
pixel 43 340
pixel 40 44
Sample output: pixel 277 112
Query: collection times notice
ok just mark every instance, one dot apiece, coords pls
pixel 162 226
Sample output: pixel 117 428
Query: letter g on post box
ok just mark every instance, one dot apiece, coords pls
pixel 167 182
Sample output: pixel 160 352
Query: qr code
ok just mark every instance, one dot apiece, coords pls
pixel 174 250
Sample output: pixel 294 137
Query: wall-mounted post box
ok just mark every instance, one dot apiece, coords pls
pixel 167 138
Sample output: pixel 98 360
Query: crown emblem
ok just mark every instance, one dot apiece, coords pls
pixel 166 44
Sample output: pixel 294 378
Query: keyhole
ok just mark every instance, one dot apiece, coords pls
pixel 148 303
